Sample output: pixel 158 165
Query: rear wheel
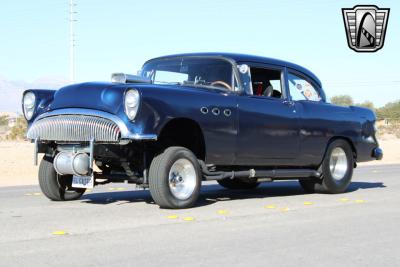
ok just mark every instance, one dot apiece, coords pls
pixel 337 170
pixel 55 186
pixel 175 178
pixel 238 184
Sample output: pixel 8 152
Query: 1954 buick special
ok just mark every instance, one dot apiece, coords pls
pixel 184 119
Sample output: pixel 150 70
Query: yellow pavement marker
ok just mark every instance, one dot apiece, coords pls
pixel 172 216
pixel 308 203
pixel 59 233
pixel 111 188
pixel 28 194
pixel 359 201
pixel 270 207
pixel 284 209
pixel 88 190
pixel 188 219
pixel 222 212
pixel 37 194
pixel 344 199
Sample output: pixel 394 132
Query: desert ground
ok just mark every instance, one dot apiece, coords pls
pixel 276 224
pixel 16 160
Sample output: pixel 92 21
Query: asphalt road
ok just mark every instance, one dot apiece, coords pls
pixel 275 225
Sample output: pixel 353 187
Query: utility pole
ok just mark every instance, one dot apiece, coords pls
pixel 72 41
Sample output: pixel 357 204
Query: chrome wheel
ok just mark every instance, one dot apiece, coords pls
pixel 182 179
pixel 338 164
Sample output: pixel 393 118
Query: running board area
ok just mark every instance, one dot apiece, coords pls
pixel 261 175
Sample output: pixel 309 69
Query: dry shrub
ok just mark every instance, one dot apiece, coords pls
pixel 18 131
pixel 393 129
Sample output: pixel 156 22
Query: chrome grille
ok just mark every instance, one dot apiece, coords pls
pixel 74 128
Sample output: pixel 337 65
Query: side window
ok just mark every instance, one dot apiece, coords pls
pixel 301 89
pixel 266 82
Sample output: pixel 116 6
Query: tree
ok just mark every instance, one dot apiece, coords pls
pixel 3 120
pixel 390 111
pixel 366 104
pixel 342 100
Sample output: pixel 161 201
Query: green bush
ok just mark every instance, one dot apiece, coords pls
pixel 18 131
pixel 3 120
pixel 390 111
pixel 342 100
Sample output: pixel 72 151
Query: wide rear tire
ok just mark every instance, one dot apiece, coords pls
pixel 337 170
pixel 175 178
pixel 54 186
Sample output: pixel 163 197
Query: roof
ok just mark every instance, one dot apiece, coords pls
pixel 252 58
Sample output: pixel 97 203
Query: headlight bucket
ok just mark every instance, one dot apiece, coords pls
pixel 28 105
pixel 131 103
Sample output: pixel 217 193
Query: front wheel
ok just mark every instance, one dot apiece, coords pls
pixel 55 186
pixel 337 170
pixel 175 178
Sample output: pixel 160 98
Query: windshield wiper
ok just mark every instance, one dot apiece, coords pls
pixel 168 83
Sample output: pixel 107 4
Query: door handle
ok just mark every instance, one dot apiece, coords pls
pixel 289 103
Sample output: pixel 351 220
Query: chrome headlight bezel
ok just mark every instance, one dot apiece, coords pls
pixel 29 105
pixel 131 103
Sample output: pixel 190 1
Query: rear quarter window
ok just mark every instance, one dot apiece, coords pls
pixel 301 89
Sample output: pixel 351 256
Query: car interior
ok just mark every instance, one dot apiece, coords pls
pixel 217 74
pixel 191 71
pixel 266 82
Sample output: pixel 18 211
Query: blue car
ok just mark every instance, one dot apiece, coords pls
pixel 237 119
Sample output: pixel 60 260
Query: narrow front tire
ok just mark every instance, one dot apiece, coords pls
pixel 54 186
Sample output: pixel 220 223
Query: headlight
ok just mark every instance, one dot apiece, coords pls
pixel 131 103
pixel 28 103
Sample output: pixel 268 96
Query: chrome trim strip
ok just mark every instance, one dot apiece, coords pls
pixel 125 133
pixel 143 137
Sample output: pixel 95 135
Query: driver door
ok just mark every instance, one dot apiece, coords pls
pixel 268 126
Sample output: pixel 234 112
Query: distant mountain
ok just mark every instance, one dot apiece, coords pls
pixel 11 91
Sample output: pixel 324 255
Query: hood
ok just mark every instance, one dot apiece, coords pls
pixel 108 97
pixel 94 95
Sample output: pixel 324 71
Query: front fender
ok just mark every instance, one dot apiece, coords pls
pixel 159 105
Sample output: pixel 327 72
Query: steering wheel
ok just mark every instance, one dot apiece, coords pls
pixel 222 83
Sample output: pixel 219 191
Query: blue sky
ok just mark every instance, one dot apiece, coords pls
pixel 119 35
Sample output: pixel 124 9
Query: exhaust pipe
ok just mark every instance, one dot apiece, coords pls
pixel 67 163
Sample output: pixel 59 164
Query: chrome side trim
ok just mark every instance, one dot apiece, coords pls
pixel 143 137
pixel 124 131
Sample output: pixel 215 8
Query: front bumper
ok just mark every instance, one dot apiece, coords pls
pixel 377 153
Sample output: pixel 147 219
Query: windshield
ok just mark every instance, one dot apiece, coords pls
pixel 190 71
